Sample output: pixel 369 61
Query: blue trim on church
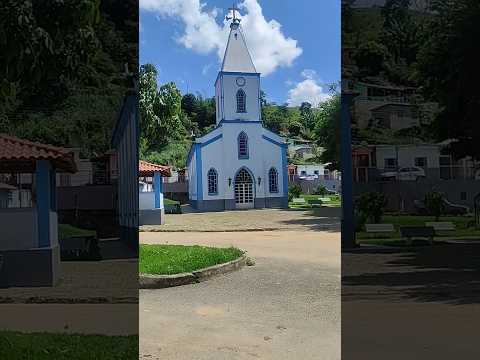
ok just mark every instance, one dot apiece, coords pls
pixel 238 73
pixel 198 169
pixel 274 141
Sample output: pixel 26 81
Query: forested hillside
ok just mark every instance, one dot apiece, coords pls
pixel 62 66
pixel 170 121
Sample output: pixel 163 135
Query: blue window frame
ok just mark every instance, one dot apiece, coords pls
pixel 273 180
pixel 241 101
pixel 242 146
pixel 212 182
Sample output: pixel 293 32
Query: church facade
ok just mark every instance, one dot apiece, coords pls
pixel 239 164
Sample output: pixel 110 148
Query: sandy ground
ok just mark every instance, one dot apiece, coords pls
pixel 411 304
pixel 259 219
pixel 287 306
pixel 104 319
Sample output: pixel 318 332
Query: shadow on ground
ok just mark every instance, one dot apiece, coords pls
pixel 318 219
pixel 449 273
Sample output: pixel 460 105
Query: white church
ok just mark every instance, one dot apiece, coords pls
pixel 239 164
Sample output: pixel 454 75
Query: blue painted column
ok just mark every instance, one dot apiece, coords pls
pixel 348 229
pixel 44 201
pixel 157 187
pixel 285 173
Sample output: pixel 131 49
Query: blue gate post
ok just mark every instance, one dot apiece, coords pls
pixel 348 228
pixel 157 187
pixel 44 201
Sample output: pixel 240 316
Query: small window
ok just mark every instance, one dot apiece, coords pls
pixel 273 180
pixel 241 101
pixel 242 146
pixel 421 162
pixel 212 182
pixel 316 172
pixel 303 172
pixel 390 163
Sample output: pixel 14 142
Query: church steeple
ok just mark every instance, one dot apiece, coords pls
pixel 237 58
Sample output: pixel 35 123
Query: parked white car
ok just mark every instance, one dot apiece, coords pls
pixel 404 173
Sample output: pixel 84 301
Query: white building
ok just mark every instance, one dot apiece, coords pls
pixel 239 164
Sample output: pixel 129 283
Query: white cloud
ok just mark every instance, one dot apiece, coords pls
pixel 308 90
pixel 269 47
pixel 206 68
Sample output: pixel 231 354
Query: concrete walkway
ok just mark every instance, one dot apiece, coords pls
pixel 287 306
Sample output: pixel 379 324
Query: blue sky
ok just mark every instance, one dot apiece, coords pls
pixel 294 44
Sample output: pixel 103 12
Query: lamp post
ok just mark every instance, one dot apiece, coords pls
pixel 348 228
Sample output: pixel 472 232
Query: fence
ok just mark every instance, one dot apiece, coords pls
pixel 373 174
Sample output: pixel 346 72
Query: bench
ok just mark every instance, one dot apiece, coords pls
pixel 379 228
pixel 417 231
pixel 299 201
pixel 315 202
pixel 441 226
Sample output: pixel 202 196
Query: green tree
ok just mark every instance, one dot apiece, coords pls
pixel 434 204
pixel 327 131
pixel 449 73
pixel 370 206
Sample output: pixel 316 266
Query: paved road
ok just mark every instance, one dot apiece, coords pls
pixel 287 306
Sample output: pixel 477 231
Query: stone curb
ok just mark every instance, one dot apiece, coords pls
pixel 317 228
pixel 147 281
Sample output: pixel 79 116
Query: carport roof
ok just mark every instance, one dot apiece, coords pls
pixel 147 169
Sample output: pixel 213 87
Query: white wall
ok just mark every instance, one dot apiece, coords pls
pixel 223 156
pixel 407 155
pixel 310 169
pixel 230 89
pixel 18 229
pixel 53 228
pixel 192 175
pixel 146 200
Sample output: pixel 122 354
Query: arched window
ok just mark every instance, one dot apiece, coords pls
pixel 242 146
pixel 241 101
pixel 273 180
pixel 212 182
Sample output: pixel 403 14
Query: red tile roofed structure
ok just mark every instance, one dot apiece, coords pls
pixel 21 155
pixel 147 169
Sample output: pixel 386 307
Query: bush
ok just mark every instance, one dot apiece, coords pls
pixel 294 191
pixel 434 204
pixel 321 190
pixel 371 206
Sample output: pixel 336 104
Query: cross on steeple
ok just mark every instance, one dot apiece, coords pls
pixel 234 10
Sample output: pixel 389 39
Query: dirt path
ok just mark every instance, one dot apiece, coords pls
pixel 287 306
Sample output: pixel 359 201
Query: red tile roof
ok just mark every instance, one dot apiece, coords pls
pixel 147 169
pixel 20 155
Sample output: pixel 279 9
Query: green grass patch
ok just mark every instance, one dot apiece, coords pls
pixel 66 230
pixel 334 201
pixel 170 202
pixel 175 259
pixel 46 346
pixel 463 226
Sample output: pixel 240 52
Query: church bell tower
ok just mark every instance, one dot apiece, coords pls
pixel 237 88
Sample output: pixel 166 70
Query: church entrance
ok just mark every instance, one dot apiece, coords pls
pixel 244 190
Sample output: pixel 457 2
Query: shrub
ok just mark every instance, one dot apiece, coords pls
pixel 434 204
pixel 320 190
pixel 294 191
pixel 371 206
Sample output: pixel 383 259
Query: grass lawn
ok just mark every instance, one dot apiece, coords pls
pixel 46 346
pixel 175 259
pixel 170 202
pixel 463 225
pixel 334 201
pixel 66 230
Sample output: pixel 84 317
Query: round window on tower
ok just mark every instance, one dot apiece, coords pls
pixel 240 81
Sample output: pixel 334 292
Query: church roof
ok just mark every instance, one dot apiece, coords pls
pixel 237 58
